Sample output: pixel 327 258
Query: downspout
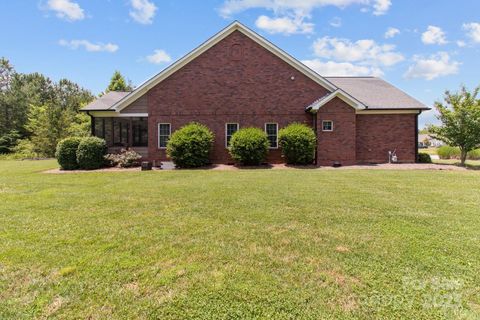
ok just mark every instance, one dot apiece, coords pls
pixel 314 121
pixel 416 136
pixel 92 124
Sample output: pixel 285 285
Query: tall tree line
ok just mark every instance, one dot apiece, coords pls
pixel 37 112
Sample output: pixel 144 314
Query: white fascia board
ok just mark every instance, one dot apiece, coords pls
pixel 354 103
pixel 235 26
pixel 113 114
pixel 396 111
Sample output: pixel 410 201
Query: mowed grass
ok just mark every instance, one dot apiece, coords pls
pixel 266 244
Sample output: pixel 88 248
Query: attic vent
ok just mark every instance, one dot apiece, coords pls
pixel 236 51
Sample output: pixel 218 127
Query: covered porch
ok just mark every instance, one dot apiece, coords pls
pixel 122 132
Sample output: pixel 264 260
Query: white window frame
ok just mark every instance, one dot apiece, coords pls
pixel 265 130
pixel 158 133
pixel 226 126
pixel 323 128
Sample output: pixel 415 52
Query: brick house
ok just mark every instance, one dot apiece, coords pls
pixel 238 79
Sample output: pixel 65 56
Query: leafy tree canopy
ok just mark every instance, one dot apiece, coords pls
pixel 118 83
pixel 460 117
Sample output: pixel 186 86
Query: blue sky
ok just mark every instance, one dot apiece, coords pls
pixel 423 47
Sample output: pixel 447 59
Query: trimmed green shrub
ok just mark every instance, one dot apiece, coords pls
pixel 190 146
pixel 66 153
pixel 249 146
pixel 124 159
pixel 91 152
pixel 424 158
pixel 447 152
pixel 298 143
pixel 474 155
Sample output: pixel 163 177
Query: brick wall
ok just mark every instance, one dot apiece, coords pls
pixel 378 134
pixel 236 80
pixel 339 144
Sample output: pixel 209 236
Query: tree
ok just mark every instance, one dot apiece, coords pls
pixel 6 73
pixel 70 96
pixel 118 83
pixel 460 117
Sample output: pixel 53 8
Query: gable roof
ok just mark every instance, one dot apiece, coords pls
pixel 376 93
pixel 235 26
pixel 106 101
pixel 339 93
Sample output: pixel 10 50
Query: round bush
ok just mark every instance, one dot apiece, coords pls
pixel 424 158
pixel 66 153
pixel 447 152
pixel 91 152
pixel 190 146
pixel 249 146
pixel 474 154
pixel 298 143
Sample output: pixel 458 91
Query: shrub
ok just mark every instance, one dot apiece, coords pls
pixel 447 152
pixel 474 155
pixel 249 146
pixel 298 143
pixel 190 146
pixel 66 153
pixel 124 159
pixel 424 158
pixel 9 141
pixel 23 150
pixel 91 152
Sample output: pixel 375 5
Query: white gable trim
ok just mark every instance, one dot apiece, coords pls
pixel 235 26
pixel 351 101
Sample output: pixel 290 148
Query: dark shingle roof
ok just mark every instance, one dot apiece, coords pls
pixel 376 93
pixel 106 101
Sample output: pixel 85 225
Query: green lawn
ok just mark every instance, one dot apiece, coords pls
pixel 472 164
pixel 277 244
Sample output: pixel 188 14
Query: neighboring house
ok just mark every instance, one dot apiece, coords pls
pixel 426 141
pixel 238 79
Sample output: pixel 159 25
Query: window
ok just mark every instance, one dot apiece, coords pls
pixel 230 129
pixel 271 129
pixel 121 128
pixel 164 131
pixel 327 125
pixel 139 132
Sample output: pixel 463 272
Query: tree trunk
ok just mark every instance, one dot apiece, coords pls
pixel 463 157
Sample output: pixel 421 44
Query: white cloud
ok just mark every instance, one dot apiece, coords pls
pixel 332 68
pixel 473 31
pixel 434 35
pixel 284 25
pixel 461 43
pixel 434 66
pixel 159 56
pixel 143 11
pixel 231 7
pixel 89 46
pixel 391 33
pixel 342 57
pixel 367 51
pixel 284 10
pixel 66 9
pixel 336 22
pixel 381 7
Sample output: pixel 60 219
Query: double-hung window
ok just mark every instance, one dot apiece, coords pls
pixel 271 129
pixel 230 129
pixel 327 125
pixel 164 131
